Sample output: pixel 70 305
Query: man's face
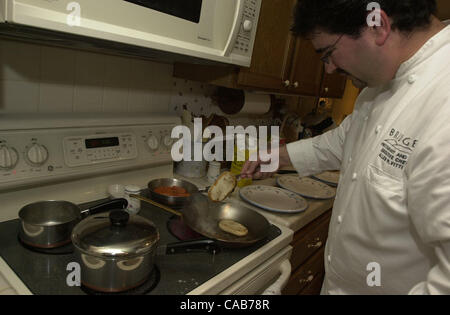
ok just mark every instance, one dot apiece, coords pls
pixel 344 54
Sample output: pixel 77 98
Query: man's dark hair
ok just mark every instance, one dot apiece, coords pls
pixel 349 17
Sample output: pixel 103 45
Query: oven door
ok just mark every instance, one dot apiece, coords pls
pixel 205 29
pixel 269 277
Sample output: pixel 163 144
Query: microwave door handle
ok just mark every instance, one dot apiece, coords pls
pixel 235 28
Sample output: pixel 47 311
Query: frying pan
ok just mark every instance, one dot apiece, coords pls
pixel 203 215
pixel 172 201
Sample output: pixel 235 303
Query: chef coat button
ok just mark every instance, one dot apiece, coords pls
pixel 412 78
pixel 354 176
pixel 339 219
pixel 329 258
pixel 350 160
pixel 378 129
pixel 366 118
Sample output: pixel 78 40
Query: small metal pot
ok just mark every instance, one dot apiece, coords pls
pixel 116 251
pixel 175 202
pixel 49 224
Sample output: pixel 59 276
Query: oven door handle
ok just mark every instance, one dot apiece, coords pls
pixel 280 283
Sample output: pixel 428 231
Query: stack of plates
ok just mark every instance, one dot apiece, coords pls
pixel 273 199
pixel 330 177
pixel 306 187
pixel 290 198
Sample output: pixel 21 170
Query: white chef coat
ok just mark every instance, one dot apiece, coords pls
pixel 390 226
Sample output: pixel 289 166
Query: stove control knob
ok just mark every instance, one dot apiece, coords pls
pixel 8 158
pixel 36 154
pixel 248 25
pixel 167 141
pixel 153 143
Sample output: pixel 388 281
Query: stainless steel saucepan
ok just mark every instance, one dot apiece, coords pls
pixel 48 224
pixel 116 251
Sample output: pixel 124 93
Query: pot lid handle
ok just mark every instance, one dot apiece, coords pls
pixel 119 218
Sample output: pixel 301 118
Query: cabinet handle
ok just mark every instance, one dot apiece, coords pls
pixel 316 245
pixel 295 84
pixel 307 280
pixel 287 83
pixel 326 90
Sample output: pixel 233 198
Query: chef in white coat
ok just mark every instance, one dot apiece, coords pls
pixel 390 226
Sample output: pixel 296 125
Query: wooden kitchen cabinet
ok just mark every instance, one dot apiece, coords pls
pixel 333 85
pixel 307 258
pixel 443 9
pixel 273 49
pixel 305 69
pixel 281 62
pixel 309 273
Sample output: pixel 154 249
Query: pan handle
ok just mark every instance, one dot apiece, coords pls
pixel 119 203
pixel 157 204
pixel 184 247
pixel 204 189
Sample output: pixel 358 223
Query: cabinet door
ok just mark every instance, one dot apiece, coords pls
pixel 306 69
pixel 309 240
pixel 333 85
pixel 306 274
pixel 443 9
pixel 273 47
pixel 314 287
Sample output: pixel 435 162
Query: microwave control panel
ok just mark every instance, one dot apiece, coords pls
pixel 247 32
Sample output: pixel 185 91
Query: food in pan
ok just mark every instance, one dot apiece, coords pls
pixel 223 187
pixel 172 191
pixel 233 227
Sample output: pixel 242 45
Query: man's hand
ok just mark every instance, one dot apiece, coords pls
pixel 252 169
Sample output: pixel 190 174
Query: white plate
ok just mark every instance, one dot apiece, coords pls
pixel 328 177
pixel 273 199
pixel 306 187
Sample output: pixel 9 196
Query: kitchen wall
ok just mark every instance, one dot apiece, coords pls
pixel 42 79
pixel 37 78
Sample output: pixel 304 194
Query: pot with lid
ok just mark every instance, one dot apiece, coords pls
pixel 116 251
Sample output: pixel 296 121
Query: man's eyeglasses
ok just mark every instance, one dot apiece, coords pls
pixel 326 57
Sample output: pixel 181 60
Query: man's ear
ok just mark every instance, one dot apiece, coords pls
pixel 383 30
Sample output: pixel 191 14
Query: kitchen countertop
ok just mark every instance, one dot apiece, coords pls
pixel 293 221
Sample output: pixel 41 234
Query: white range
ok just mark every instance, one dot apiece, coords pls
pixel 76 158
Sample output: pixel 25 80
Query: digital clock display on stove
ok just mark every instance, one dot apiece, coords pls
pixel 102 142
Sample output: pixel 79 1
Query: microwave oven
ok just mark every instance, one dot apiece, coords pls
pixel 211 30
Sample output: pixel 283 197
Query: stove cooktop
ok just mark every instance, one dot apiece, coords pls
pixel 46 273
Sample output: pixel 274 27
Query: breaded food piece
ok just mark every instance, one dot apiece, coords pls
pixel 223 187
pixel 233 227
